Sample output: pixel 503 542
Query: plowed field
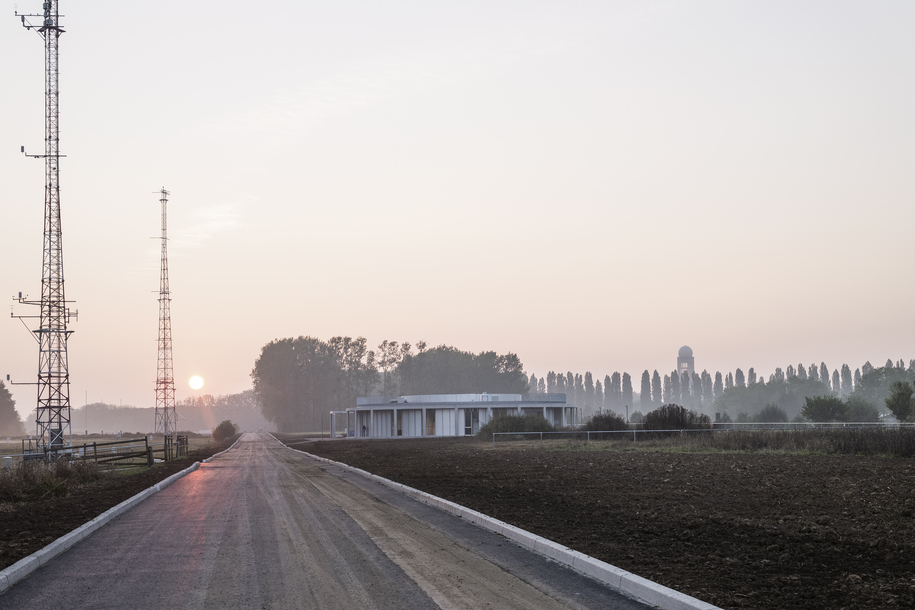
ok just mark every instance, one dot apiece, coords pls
pixel 736 530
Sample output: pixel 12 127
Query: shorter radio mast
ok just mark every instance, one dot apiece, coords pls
pixel 166 418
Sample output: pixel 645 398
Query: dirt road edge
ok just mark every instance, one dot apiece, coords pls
pixel 616 578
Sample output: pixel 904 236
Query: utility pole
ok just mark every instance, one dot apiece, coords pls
pixel 52 415
pixel 166 418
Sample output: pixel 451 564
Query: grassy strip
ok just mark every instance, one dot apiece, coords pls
pixel 39 479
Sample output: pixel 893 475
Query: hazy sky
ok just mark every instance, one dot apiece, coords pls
pixel 588 184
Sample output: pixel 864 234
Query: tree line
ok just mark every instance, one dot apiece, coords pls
pixel 297 381
pixel 735 394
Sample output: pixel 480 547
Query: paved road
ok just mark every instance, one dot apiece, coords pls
pixel 266 527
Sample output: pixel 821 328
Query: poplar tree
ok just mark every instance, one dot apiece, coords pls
pixel 719 385
pixel 627 390
pixel 824 374
pixel 685 390
pixel 668 391
pixel 589 390
pixel 813 373
pixel 801 372
pixel 739 380
pixel 696 390
pixel 616 390
pixel 729 381
pixel 656 395
pixel 835 381
pixel 675 388
pixel 598 395
pixel 645 392
pixel 846 380
pixel 751 376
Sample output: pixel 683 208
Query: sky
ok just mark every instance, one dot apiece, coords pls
pixel 589 185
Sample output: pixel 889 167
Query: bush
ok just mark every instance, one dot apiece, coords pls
pixel 901 399
pixel 605 422
pixel 224 431
pixel 771 414
pixel 636 417
pixel 824 409
pixel 675 417
pixel 515 423
pixel 861 410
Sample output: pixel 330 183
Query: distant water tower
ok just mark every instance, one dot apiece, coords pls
pixel 685 361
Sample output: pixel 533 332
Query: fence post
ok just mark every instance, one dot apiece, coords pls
pixel 541 439
pixel 588 441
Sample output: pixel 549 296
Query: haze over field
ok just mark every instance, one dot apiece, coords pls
pixel 590 185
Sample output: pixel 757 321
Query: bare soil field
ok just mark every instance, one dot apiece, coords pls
pixel 26 527
pixel 737 530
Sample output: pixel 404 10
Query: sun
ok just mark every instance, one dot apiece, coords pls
pixel 196 382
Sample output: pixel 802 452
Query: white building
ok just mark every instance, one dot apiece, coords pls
pixel 445 414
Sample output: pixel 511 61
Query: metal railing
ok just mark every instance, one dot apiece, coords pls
pixel 636 429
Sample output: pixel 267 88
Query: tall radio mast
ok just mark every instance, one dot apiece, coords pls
pixel 52 416
pixel 166 419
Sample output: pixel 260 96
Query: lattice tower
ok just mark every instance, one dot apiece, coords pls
pixel 52 416
pixel 166 418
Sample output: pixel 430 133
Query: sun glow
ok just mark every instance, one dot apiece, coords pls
pixel 196 382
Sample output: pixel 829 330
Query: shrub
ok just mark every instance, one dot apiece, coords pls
pixel 675 417
pixel 224 431
pixel 515 423
pixel 900 401
pixel 605 421
pixel 771 414
pixel 824 408
pixel 636 417
pixel 861 409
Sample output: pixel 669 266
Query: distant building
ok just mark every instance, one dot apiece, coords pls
pixel 685 361
pixel 445 414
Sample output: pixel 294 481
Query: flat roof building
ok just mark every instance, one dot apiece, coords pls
pixel 445 414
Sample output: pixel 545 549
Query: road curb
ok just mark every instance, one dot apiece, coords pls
pixel 27 565
pixel 630 584
pixel 215 455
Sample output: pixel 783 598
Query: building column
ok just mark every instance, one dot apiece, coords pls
pixel 422 425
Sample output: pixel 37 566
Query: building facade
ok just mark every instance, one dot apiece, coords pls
pixel 445 414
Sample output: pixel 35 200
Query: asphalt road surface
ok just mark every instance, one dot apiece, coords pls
pixel 266 527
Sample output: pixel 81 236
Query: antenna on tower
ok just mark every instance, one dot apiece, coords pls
pixel 52 415
pixel 166 418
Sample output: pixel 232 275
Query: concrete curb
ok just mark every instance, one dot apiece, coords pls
pixel 630 584
pixel 27 565
pixel 215 455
